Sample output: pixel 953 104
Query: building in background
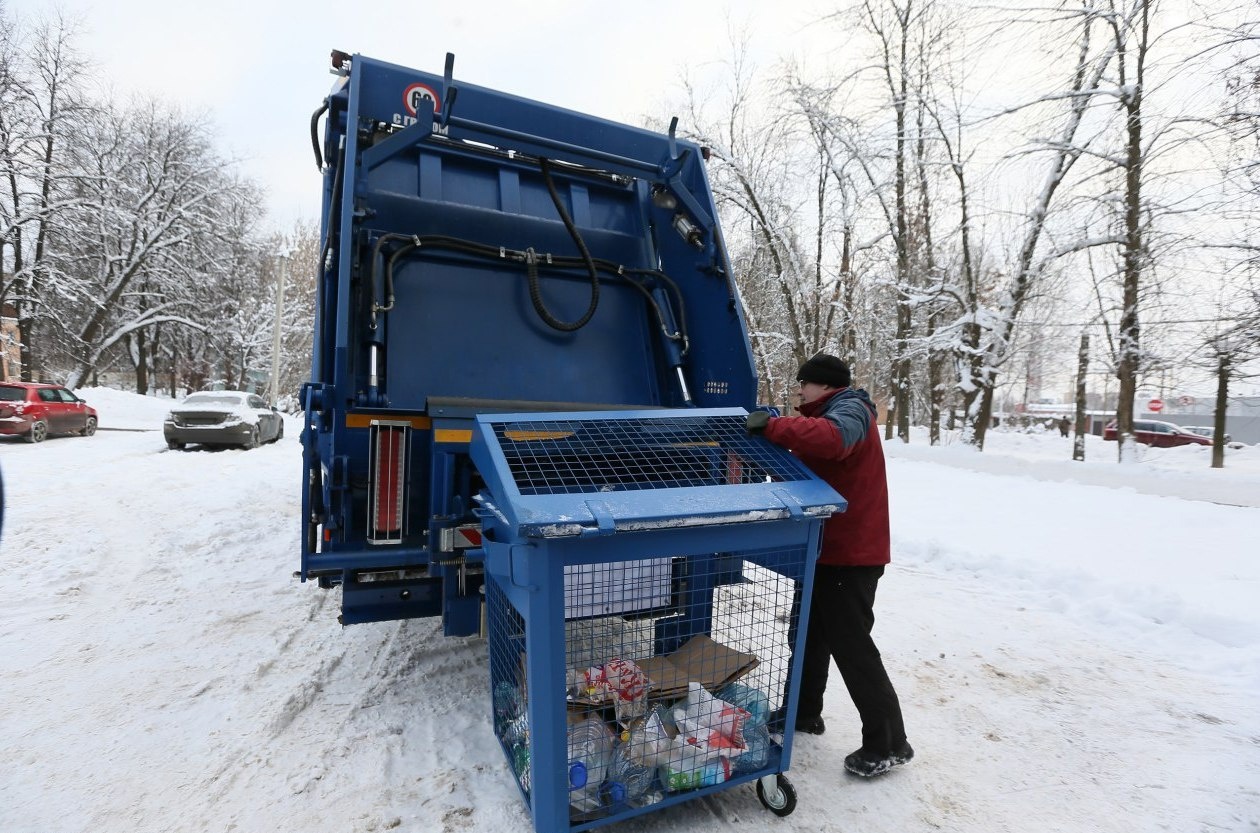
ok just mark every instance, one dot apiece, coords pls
pixel 10 345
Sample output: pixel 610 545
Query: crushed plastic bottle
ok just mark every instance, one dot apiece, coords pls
pixel 752 700
pixel 648 740
pixel 714 724
pixel 590 751
pixel 756 750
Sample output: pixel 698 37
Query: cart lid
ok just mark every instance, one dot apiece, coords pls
pixel 551 475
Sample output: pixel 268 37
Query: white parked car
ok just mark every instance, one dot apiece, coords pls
pixel 222 417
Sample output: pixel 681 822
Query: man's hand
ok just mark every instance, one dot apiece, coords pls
pixel 757 422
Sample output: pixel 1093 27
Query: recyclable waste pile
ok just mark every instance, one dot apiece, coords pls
pixel 629 748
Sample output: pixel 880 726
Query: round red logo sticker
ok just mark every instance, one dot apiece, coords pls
pixel 415 96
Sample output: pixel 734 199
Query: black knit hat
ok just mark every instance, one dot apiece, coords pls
pixel 825 370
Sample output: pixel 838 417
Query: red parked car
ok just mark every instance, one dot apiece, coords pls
pixel 34 411
pixel 1158 434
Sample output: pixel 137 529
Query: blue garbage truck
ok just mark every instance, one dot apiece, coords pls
pixel 525 416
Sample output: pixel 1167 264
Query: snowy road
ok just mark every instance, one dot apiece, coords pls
pixel 162 670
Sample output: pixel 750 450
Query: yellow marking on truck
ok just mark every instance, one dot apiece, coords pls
pixel 366 420
pixel 452 435
pixel 526 436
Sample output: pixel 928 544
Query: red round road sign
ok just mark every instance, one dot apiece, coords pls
pixel 1155 406
pixel 417 93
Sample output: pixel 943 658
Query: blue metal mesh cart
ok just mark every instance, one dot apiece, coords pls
pixel 640 569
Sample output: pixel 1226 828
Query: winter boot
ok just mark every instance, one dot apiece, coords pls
pixel 807 725
pixel 869 764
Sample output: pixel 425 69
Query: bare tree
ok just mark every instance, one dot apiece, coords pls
pixel 1063 150
pixel 41 97
pixel 892 23
pixel 1132 39
pixel 157 210
pixel 857 188
pixel 1230 348
pixel 756 174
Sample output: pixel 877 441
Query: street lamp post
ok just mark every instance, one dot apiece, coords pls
pixel 275 336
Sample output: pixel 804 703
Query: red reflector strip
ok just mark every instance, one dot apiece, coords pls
pixel 390 449
pixel 469 536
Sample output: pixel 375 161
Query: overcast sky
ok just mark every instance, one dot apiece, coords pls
pixel 259 69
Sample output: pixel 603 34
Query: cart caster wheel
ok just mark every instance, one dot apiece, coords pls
pixel 780 798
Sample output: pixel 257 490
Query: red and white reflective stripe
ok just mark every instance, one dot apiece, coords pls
pixel 463 537
pixel 391 447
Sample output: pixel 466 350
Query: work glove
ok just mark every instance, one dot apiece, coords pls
pixel 757 422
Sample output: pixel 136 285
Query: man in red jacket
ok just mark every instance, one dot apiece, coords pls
pixel 837 437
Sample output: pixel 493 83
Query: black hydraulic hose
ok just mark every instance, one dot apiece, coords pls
pixel 332 216
pixel 322 266
pixel 483 250
pixel 332 221
pixel 531 265
pixel 680 323
pixel 319 157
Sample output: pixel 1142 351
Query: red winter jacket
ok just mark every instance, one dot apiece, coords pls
pixel 838 439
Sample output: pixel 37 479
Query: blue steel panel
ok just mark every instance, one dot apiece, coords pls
pixel 517 356
pixel 719 366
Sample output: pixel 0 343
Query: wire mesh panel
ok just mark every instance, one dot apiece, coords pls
pixel 557 475
pixel 668 700
pixel 602 455
pixel 506 632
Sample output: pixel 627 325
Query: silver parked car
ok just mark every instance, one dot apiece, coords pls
pixel 1210 432
pixel 222 417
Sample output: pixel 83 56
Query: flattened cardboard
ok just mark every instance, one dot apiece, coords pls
pixel 700 660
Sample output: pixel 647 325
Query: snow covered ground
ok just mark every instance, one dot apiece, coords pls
pixel 1076 646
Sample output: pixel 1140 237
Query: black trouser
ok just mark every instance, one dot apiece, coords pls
pixel 840 621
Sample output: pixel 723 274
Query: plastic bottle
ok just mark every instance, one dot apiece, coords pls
pixel 634 778
pixel 652 796
pixel 711 720
pixel 688 777
pixel 520 765
pixel 647 741
pixel 756 750
pixel 509 707
pixel 515 730
pixel 752 700
pixel 676 780
pixel 716 771
pixel 508 702
pixel 590 750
